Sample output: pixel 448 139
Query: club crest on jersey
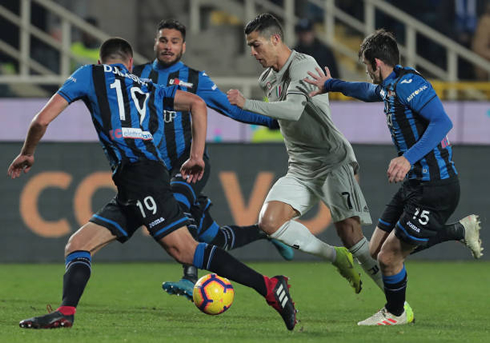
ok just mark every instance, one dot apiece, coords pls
pixel 387 94
pixel 178 82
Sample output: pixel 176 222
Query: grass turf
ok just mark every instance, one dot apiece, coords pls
pixel 125 303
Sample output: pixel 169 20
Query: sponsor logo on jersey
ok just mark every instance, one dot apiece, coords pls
pixel 417 92
pixel 406 81
pixel 169 116
pixel 130 132
pixel 156 222
pixel 178 82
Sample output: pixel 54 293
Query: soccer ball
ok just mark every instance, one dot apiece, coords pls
pixel 213 294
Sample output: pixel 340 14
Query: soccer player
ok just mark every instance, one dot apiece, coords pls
pixel 322 163
pixel 127 123
pixel 167 70
pixel 416 216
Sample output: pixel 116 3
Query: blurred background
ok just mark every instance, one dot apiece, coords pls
pixel 43 41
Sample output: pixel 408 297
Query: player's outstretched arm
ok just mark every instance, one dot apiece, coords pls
pixel 318 80
pixel 25 160
pixel 193 168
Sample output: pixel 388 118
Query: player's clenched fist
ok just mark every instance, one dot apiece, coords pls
pixel 236 98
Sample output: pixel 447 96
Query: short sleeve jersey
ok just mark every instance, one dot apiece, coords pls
pixel 124 110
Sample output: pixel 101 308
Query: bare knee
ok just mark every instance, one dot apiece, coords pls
pixel 180 245
pixel 274 214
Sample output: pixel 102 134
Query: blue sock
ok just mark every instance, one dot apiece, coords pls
pixel 395 291
pixel 78 266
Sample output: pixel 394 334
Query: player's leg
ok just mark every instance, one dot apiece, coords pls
pixel 342 194
pixel 466 231
pixel 391 258
pixel 181 246
pixel 79 250
pixel 230 237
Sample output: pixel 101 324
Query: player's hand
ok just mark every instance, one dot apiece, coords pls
pixel 19 164
pixel 318 80
pixel 193 169
pixel 236 98
pixel 398 169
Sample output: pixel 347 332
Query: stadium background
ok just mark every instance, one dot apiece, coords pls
pixel 70 179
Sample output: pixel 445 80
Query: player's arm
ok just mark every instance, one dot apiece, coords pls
pixel 324 83
pixel 37 128
pixel 421 98
pixel 193 168
pixel 217 100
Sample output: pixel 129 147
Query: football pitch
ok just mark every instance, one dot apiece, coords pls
pixel 125 303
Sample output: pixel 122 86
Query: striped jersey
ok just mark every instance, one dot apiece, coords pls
pixel 405 93
pixel 124 110
pixel 177 125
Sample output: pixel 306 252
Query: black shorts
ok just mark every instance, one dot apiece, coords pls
pixel 188 193
pixel 143 198
pixel 419 209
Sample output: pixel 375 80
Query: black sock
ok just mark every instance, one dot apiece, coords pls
pixel 218 261
pixel 395 291
pixel 450 232
pixel 232 236
pixel 190 273
pixel 78 269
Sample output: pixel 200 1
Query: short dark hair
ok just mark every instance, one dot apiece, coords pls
pixel 115 49
pixel 172 24
pixel 381 45
pixel 266 24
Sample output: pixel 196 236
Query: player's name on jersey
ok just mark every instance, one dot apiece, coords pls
pixel 117 71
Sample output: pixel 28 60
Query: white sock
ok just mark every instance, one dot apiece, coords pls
pixel 361 252
pixel 298 236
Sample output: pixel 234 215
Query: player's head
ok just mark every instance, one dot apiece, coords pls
pixel 378 47
pixel 116 50
pixel 265 38
pixel 169 42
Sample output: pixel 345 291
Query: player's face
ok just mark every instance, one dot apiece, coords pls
pixel 375 75
pixel 169 46
pixel 262 49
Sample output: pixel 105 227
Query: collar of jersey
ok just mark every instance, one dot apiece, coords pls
pixel 286 65
pixel 175 67
pixel 393 75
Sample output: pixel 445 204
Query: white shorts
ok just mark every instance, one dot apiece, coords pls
pixel 339 190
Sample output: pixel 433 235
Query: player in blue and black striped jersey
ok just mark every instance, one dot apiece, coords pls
pixel 125 112
pixel 415 219
pixel 168 70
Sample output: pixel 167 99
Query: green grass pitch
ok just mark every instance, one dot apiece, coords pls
pixel 125 303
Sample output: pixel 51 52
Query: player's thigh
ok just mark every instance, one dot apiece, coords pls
pixel 288 198
pixel 90 237
pixel 180 245
pixel 342 194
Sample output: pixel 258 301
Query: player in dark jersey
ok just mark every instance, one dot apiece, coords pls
pixel 416 217
pixel 168 70
pixel 125 112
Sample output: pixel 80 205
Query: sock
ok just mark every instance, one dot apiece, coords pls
pixel 232 236
pixel 218 261
pixel 360 251
pixel 395 291
pixel 450 232
pixel 298 236
pixel 190 273
pixel 78 269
